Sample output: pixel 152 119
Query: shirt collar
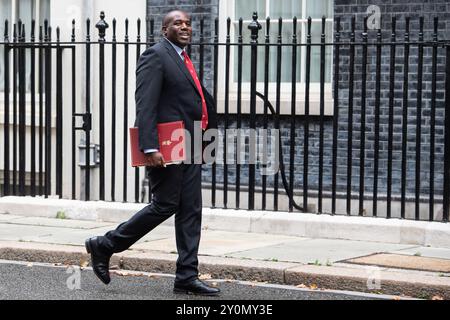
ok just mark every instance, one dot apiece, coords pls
pixel 177 48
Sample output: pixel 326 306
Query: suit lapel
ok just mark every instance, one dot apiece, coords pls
pixel 176 58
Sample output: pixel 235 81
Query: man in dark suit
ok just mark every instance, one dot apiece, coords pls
pixel 167 89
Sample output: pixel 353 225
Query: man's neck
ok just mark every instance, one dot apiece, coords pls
pixel 174 44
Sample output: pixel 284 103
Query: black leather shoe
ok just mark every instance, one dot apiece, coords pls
pixel 99 261
pixel 196 287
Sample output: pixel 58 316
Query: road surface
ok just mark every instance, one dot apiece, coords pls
pixel 32 281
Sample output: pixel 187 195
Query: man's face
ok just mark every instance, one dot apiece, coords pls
pixel 178 28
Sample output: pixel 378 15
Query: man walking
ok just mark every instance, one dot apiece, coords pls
pixel 167 89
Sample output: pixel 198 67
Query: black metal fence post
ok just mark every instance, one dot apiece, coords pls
pixel 74 110
pixel 238 115
pixel 351 84
pixel 306 123
pixel 137 169
pixel 87 130
pixel 226 111
pixel 377 122
pixel 41 110
pixel 33 111
pixel 216 71
pixel 322 115
pixel 362 144
pixel 6 129
pixel 446 204
pixel 433 115
pixel 14 115
pixel 391 116
pixel 419 118
pixel 22 110
pixel 278 104
pixel 254 27
pixel 293 114
pixel 266 106
pixel 102 26
pixel 59 116
pixel 125 114
pixel 113 111
pixel 405 118
pixel 48 109
pixel 336 114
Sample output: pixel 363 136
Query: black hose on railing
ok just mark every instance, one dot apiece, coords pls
pixel 282 168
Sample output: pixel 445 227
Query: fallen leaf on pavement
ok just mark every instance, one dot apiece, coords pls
pixel 84 264
pixel 205 276
pixel 136 274
pixel 313 287
pixel 255 283
pixel 301 286
pixel 30 264
pixel 126 274
pixel 437 298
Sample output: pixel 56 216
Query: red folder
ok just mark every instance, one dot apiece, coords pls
pixel 171 139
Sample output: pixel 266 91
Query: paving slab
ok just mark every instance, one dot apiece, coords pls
pixel 404 262
pixel 398 231
pixel 65 235
pixel 12 232
pixel 319 251
pixel 62 223
pixel 68 236
pixel 221 242
pixel 442 253
pixel 8 217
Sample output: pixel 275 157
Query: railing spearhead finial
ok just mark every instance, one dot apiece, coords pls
pixel 102 26
pixel 254 27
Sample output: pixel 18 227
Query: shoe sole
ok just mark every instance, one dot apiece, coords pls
pixel 181 291
pixel 87 244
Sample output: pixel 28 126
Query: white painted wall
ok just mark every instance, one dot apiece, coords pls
pixel 62 14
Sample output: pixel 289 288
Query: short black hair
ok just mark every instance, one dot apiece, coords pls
pixel 167 16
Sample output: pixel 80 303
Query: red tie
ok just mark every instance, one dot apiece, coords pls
pixel 190 67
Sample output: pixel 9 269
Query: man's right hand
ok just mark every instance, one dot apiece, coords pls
pixel 156 160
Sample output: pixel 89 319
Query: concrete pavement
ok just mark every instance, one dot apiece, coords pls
pixel 396 231
pixel 309 262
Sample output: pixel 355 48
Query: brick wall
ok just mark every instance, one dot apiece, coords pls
pixel 345 9
pixel 199 9
pixel 400 9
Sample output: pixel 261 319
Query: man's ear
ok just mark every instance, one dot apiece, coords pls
pixel 164 30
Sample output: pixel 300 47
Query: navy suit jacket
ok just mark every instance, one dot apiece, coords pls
pixel 165 92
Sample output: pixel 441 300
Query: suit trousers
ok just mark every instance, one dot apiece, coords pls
pixel 176 190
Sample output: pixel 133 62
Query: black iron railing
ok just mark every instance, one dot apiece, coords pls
pixel 339 163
